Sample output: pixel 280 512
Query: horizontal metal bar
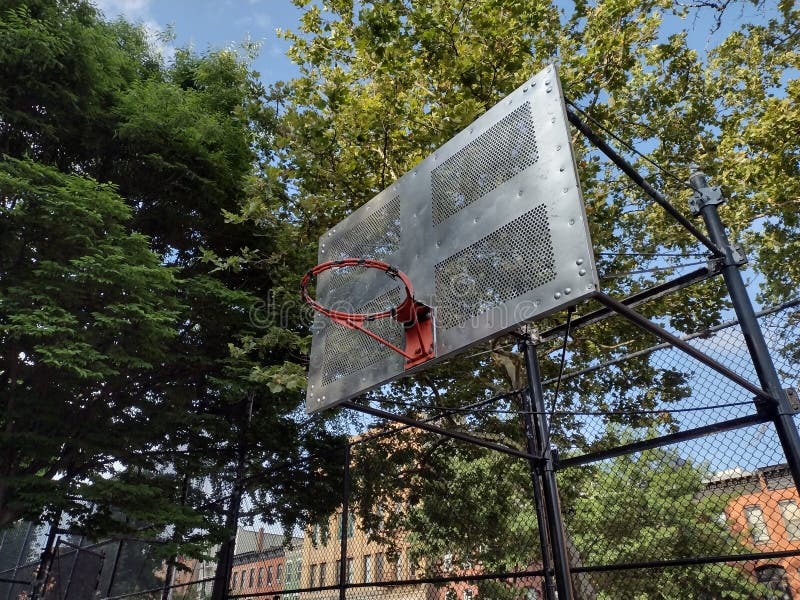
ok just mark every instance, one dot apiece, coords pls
pixel 686 562
pixel 4 580
pixel 651 293
pixel 658 331
pixel 634 175
pixel 664 440
pixel 699 334
pixel 457 435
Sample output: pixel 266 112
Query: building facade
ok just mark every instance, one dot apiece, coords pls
pixel 764 511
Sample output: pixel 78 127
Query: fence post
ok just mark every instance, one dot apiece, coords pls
pixel 46 558
pixel 345 525
pixel 226 552
pixel 114 569
pixel 552 507
pixel 704 202
pixel 536 473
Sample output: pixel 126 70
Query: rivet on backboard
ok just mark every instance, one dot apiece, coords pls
pixel 564 190
pixel 533 83
pixel 572 221
pixel 438 244
pixel 579 262
pixel 549 90
pixel 558 147
pixel 561 169
pixel 525 89
pixel 557 295
pixel 553 120
pixel 567 291
pixel 519 193
pixel 547 81
pixel 475 220
pixel 582 272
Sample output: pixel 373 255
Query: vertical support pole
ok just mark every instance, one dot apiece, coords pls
pixel 536 474
pixel 46 559
pixel 705 203
pixel 228 548
pixel 552 506
pixel 72 569
pixel 114 569
pixel 345 518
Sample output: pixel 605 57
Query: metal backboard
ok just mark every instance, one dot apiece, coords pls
pixel 490 228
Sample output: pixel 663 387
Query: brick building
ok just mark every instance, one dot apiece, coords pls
pixel 764 509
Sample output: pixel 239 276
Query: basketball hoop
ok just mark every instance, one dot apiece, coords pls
pixel 415 316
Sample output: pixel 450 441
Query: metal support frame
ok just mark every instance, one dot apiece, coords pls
pixel 345 524
pixel 777 404
pixel 456 435
pixel 538 500
pixel 634 175
pixel 537 420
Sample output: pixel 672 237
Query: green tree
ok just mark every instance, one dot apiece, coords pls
pixel 213 394
pixel 87 311
pixel 382 84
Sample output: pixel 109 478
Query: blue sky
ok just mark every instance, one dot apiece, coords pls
pixel 215 24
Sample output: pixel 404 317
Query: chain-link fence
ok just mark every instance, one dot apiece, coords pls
pixel 679 491
pixel 674 490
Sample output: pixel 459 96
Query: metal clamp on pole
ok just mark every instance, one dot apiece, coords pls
pixel 776 405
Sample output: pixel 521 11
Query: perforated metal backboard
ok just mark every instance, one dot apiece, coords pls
pixel 490 228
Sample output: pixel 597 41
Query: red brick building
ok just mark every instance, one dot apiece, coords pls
pixel 765 510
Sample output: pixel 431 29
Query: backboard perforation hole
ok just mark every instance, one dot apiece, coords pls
pixel 504 150
pixel 506 264
pixel 377 237
pixel 348 351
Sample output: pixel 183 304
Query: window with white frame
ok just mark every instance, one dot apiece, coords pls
pixel 758 526
pixel 791 518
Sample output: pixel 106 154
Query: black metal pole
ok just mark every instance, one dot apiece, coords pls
pixel 552 506
pixel 345 517
pixel 705 201
pixel 225 556
pixel 628 169
pixel 114 569
pixel 46 558
pixel 536 474
pixel 456 435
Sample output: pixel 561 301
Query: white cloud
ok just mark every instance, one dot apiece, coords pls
pixel 132 10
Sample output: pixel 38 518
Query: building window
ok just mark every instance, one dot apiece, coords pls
pixel 379 567
pixel 289 571
pixel 313 575
pixel 233 580
pixel 467 594
pixel 323 574
pixel 252 577
pixel 367 568
pixel 349 570
pixel 791 518
pixel 398 568
pixel 260 576
pixel 298 571
pixel 758 526
pixel 774 578
pixel 278 574
pixel 351 525
pixel 269 575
